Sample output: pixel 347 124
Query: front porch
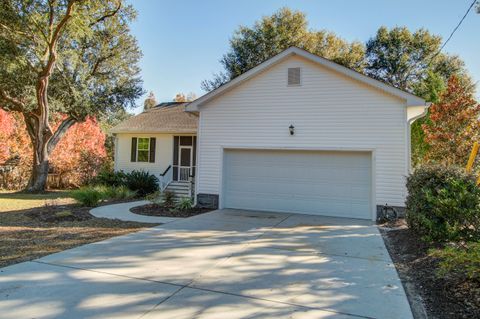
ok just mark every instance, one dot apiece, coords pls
pixel 179 177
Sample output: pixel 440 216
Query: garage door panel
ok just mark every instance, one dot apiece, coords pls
pixel 326 183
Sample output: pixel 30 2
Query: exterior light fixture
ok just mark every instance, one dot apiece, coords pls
pixel 291 128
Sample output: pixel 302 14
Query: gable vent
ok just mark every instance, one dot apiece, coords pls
pixel 293 76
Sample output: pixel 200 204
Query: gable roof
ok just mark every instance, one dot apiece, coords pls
pixel 168 117
pixel 411 99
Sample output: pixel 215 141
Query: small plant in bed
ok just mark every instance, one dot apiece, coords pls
pixel 184 204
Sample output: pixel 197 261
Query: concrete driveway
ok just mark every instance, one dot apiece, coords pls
pixel 224 264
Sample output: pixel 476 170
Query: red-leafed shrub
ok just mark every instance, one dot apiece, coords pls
pixel 76 158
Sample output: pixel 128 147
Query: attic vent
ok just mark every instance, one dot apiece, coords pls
pixel 293 76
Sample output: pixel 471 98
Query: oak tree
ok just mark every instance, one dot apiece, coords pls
pixel 74 57
pixel 269 36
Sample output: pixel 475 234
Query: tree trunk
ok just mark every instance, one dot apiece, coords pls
pixel 38 179
pixel 43 142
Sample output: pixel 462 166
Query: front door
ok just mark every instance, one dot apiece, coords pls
pixel 185 154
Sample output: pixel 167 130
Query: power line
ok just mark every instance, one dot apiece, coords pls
pixel 456 28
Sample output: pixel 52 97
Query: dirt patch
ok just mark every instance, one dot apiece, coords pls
pixel 33 233
pixel 442 296
pixel 159 210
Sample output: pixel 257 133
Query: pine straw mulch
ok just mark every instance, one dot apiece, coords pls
pixel 442 296
pixel 32 233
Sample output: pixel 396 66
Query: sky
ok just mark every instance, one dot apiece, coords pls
pixel 183 40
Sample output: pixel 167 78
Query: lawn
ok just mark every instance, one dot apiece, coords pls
pixel 32 226
pixel 10 201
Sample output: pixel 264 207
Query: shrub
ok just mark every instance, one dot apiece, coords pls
pixel 168 199
pixel 461 261
pixel 156 198
pixel 184 204
pixel 88 196
pixel 110 178
pixel 142 182
pixel 123 192
pixel 118 192
pixel 443 204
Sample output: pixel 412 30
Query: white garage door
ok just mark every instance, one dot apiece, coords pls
pixel 311 182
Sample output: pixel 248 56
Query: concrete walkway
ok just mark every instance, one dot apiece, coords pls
pixel 122 212
pixel 223 264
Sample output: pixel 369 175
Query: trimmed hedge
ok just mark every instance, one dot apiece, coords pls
pixel 443 204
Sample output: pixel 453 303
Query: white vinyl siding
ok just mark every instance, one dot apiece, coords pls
pixel 329 112
pixel 163 153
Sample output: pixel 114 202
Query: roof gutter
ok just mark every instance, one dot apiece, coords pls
pixel 417 112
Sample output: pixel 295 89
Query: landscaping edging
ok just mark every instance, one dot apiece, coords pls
pixel 122 212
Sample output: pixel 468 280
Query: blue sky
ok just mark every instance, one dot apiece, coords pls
pixel 183 40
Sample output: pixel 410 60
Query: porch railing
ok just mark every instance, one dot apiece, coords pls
pixel 166 178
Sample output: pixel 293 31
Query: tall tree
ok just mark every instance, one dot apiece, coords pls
pixel 75 57
pixel 453 126
pixel 412 62
pixel 269 36
pixel 403 59
pixel 150 101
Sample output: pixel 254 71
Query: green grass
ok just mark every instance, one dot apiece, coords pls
pixel 12 201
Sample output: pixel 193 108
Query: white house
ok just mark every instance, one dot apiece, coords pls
pixel 161 141
pixel 299 133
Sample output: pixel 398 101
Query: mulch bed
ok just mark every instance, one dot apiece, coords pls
pixel 33 233
pixel 442 296
pixel 159 210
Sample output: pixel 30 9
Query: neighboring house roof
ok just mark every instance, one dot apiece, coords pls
pixel 411 99
pixel 168 117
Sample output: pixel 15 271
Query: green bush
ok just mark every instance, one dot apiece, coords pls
pixel 91 195
pixel 119 192
pixel 168 199
pixel 443 204
pixel 123 192
pixel 156 198
pixel 184 204
pixel 88 196
pixel 143 183
pixel 462 261
pixel 110 178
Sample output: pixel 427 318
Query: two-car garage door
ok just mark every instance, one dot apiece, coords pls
pixel 313 182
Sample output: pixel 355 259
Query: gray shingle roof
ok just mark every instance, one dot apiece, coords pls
pixel 169 117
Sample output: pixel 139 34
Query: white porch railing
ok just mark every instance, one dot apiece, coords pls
pixel 166 178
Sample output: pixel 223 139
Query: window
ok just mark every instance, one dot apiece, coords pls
pixel 143 149
pixel 293 76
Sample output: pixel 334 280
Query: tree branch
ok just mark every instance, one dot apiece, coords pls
pixel 54 39
pixel 61 130
pixel 107 15
pixel 19 106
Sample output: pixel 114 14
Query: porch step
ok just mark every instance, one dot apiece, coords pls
pixel 180 189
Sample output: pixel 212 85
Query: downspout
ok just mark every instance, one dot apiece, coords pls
pixel 409 122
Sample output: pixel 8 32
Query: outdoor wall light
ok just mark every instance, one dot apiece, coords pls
pixel 291 128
